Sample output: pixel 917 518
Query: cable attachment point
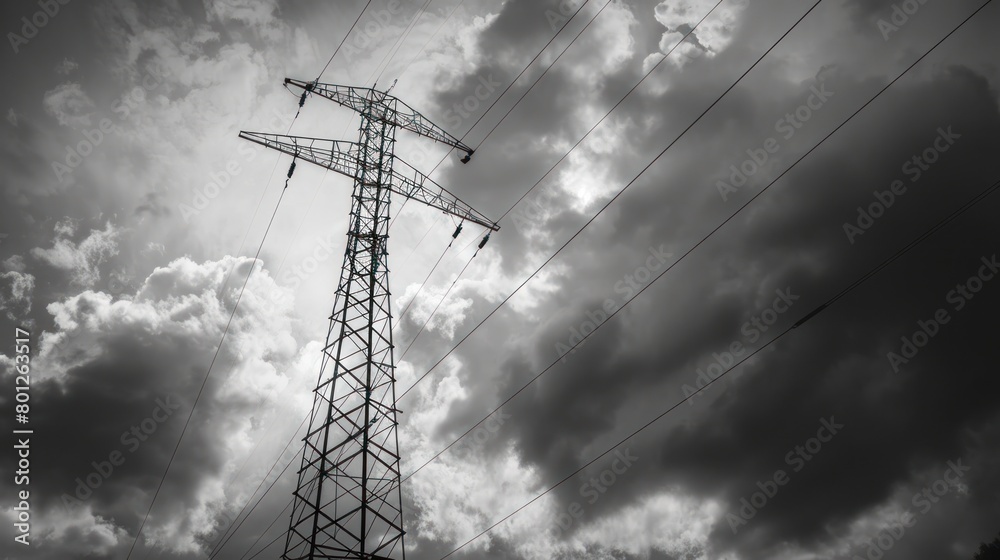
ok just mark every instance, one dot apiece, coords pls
pixel 468 156
pixel 305 93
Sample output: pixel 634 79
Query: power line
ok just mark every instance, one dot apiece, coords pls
pixel 609 202
pixel 694 247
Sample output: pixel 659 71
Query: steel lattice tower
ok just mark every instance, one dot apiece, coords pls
pixel 348 502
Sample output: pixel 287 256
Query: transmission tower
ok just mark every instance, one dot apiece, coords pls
pixel 347 502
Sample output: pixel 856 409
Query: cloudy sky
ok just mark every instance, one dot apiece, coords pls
pixel 132 213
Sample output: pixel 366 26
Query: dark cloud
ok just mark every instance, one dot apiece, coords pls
pixel 112 389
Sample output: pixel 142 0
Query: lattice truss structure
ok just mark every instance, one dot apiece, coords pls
pixel 348 502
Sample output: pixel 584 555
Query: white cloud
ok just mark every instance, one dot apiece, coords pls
pixel 450 313
pixel 67 66
pixel 153 247
pixel 80 260
pixel 258 14
pixel 62 534
pixel 614 33
pixel 65 227
pixel 16 288
pixel 666 522
pixel 710 38
pixel 15 263
pixel 69 104
pixel 184 305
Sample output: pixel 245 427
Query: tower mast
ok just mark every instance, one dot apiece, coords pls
pixel 347 503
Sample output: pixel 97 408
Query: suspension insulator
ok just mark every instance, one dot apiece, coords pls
pixel 458 230
pixel 291 169
pixel 305 92
pixel 483 242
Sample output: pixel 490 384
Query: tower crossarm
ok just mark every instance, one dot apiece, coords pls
pixel 398 114
pixel 411 183
pixel 342 156
pixel 336 155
